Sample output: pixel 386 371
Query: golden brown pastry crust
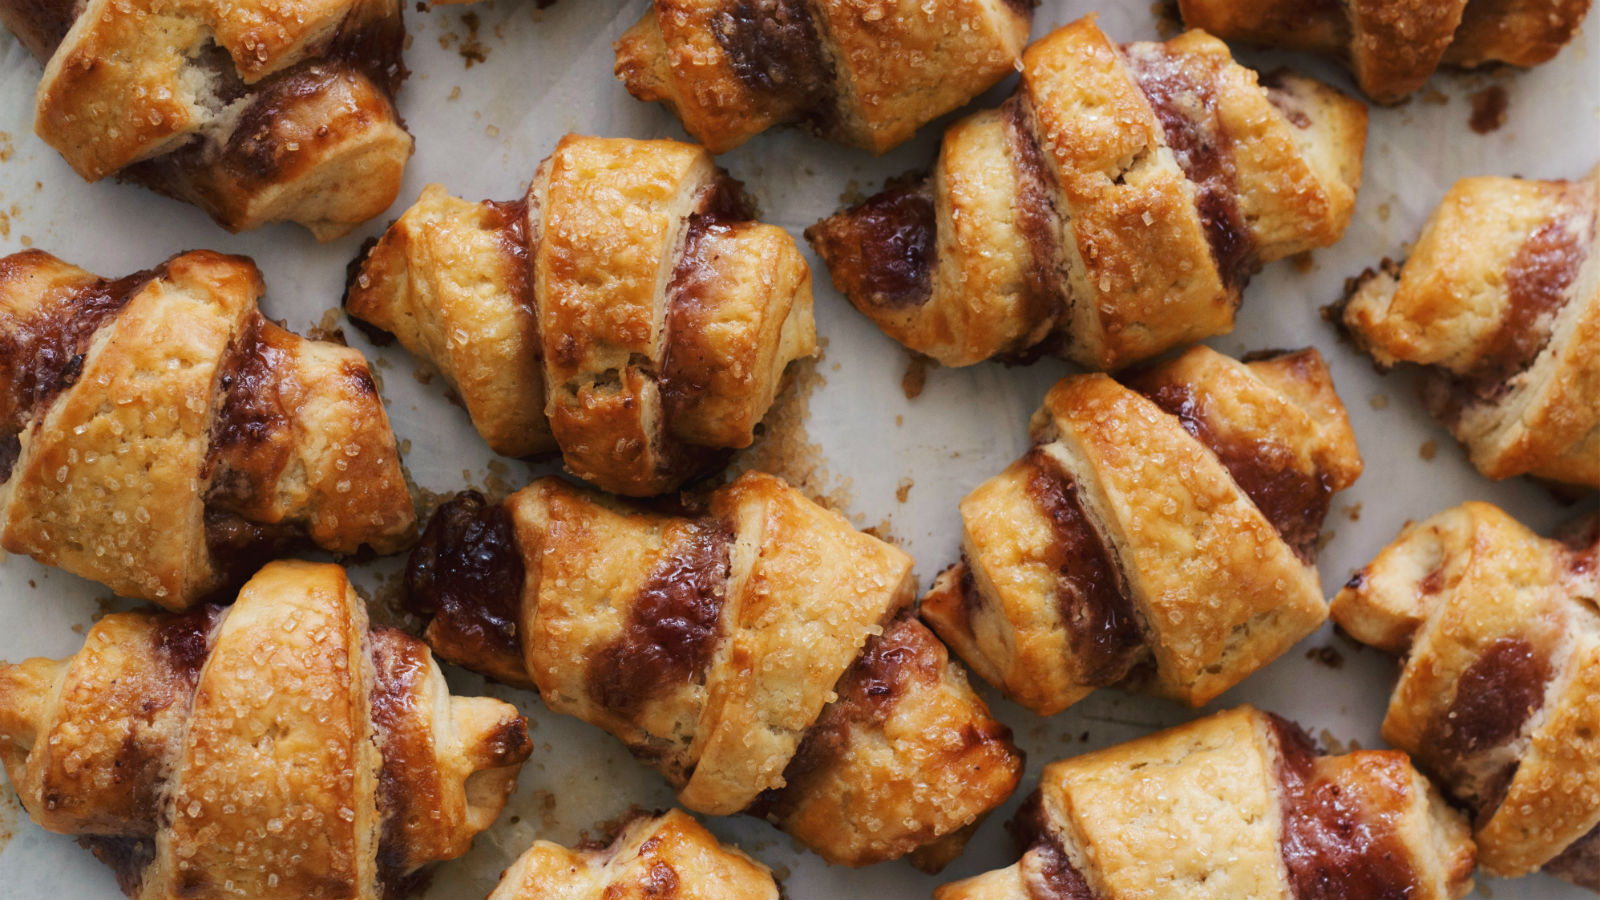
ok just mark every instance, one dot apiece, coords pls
pixel 1502 664
pixel 1161 534
pixel 1112 209
pixel 664 855
pixel 1500 299
pixel 163 438
pixel 867 73
pixel 760 654
pixel 1393 46
pixel 259 112
pixel 1238 804
pixel 627 310
pixel 274 748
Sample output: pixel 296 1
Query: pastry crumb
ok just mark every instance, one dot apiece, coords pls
pixel 916 377
pixel 1327 655
pixel 903 489
pixel 1353 512
pixel 9 809
pixel 327 328
pixel 1428 450
pixel 472 50
pixel 1335 746
pixel 496 485
pixel 1489 109
pixel 882 531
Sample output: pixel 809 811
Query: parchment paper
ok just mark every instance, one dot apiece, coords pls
pixel 487 99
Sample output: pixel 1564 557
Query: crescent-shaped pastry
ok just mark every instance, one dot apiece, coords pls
pixel 668 855
pixel 760 654
pixel 275 748
pixel 627 311
pixel 1237 805
pixel 161 436
pixel 1112 209
pixel 256 112
pixel 1500 301
pixel 1498 688
pixel 1161 534
pixel 867 73
pixel 1393 46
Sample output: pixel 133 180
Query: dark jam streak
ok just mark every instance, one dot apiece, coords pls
pixel 889 667
pixel 881 252
pixel 252 411
pixel 508 219
pixel 1495 698
pixel 1200 145
pixel 374 47
pixel 1537 282
pixel 128 857
pixel 404 801
pixel 692 295
pixel 1295 501
pixel 673 626
pixel 252 153
pixel 184 641
pixel 244 454
pixel 466 574
pixel 772 48
pixel 255 152
pixel 1044 288
pixel 1331 847
pixel 43 355
pixel 179 647
pixel 1102 628
pixel 1047 871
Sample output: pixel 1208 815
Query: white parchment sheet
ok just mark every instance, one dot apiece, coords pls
pixel 482 125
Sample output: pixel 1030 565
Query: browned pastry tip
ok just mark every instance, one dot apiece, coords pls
pixel 274 110
pixel 1161 534
pixel 1393 46
pixel 273 748
pixel 1238 804
pixel 1113 208
pixel 760 654
pixel 1501 669
pixel 1500 301
pixel 627 311
pixel 867 73
pixel 663 855
pixel 159 435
